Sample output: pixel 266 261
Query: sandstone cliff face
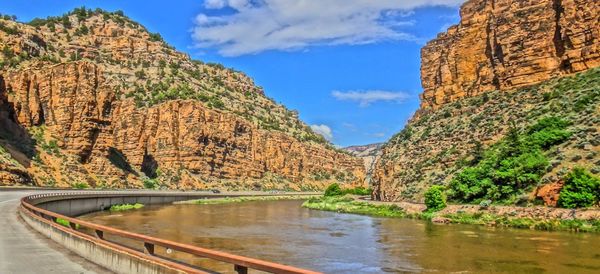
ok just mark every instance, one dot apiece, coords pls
pixel 99 118
pixel 504 44
pixel 474 79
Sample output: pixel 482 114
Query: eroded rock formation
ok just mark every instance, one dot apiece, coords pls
pixel 107 104
pixel 504 44
pixel 466 73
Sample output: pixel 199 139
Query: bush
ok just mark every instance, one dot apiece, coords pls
pixel 124 207
pixel 80 185
pixel 435 199
pixel 333 190
pixel 150 184
pixel 359 191
pixel 581 189
pixel 514 164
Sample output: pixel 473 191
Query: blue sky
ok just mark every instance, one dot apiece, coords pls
pixel 350 67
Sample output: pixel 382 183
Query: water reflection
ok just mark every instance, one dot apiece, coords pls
pixel 284 232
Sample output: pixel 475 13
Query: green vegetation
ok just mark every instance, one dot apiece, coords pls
pixel 150 183
pixel 155 37
pixel 511 166
pixel 65 223
pixel 581 189
pixel 9 30
pixel 348 205
pixel 435 198
pixel 80 185
pixel 359 190
pixel 526 223
pixel 228 200
pixel 478 122
pixel 335 190
pixel 124 207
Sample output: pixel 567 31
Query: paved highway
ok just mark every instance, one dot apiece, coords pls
pixel 23 250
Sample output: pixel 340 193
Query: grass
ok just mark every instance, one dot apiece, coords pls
pixel 242 199
pixel 348 205
pixel 124 207
pixel 526 223
pixel 65 223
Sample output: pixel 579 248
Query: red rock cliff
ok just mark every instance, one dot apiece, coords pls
pixel 93 98
pixel 503 44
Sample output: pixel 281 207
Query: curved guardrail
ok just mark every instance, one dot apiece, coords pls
pixel 241 264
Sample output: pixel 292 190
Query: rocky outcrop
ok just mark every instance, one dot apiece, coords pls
pixel 499 45
pixel 109 105
pixel 74 102
pixel 369 154
pixel 505 44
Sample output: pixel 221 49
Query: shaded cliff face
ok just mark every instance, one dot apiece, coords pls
pixel 107 104
pixel 505 44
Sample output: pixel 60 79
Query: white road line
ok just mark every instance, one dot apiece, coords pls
pixel 10 200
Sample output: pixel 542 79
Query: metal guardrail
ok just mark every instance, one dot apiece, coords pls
pixel 241 264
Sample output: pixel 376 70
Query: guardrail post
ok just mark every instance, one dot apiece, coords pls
pixel 149 248
pixel 100 234
pixel 240 269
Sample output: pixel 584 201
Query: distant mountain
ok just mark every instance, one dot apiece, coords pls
pixel 369 153
pixel 364 150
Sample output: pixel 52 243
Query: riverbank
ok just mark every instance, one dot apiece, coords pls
pixel 246 199
pixel 539 218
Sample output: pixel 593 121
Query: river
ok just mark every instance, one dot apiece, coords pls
pixel 283 232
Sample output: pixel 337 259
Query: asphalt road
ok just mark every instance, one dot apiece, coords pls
pixel 22 250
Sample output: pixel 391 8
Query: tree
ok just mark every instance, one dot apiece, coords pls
pixel 333 190
pixel 435 199
pixel 581 189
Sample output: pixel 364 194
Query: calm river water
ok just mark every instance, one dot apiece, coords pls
pixel 283 232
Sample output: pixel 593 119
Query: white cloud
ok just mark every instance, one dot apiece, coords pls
pixel 378 134
pixel 255 26
pixel 324 130
pixel 365 98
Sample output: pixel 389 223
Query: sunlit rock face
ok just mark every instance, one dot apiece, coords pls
pixel 483 74
pixel 504 44
pixel 111 105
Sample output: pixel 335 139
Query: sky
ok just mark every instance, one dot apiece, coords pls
pixel 350 67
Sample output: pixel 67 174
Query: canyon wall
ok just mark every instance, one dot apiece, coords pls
pixel 506 62
pixel 505 44
pixel 74 103
pixel 93 99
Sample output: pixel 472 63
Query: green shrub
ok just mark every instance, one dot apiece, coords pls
pixel 333 190
pixel 65 223
pixel 581 189
pixel 435 198
pixel 359 191
pixel 80 185
pixel 124 207
pixel 514 164
pixel 150 183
